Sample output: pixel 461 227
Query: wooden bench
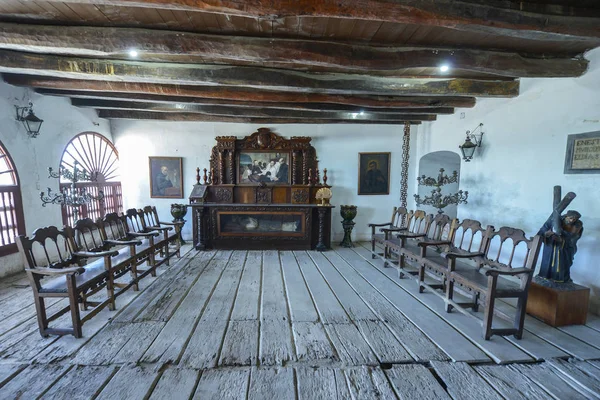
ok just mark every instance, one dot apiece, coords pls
pixel 398 222
pixel 66 277
pixel 497 274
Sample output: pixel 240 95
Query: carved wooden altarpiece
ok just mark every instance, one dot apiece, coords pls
pixel 271 204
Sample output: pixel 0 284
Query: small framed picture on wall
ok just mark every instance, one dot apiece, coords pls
pixel 374 173
pixel 166 177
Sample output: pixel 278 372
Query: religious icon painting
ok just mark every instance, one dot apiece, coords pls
pixel 374 173
pixel 166 178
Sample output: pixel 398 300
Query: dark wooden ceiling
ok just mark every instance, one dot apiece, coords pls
pixel 297 61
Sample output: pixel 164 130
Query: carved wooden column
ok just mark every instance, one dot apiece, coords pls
pixel 304 168
pixel 221 179
pixel 294 163
pixel 230 167
pixel 404 164
pixel 322 212
pixel 199 237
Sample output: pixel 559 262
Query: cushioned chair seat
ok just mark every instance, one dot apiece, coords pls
pixel 59 284
pixel 479 281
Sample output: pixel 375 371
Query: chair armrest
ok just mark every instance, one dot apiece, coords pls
pixel 161 228
pixel 56 271
pixel 143 234
pixel 123 242
pixel 392 229
pixel 91 254
pixel 509 271
pixel 170 223
pixel 460 255
pixel 378 225
pixel 433 243
pixel 412 235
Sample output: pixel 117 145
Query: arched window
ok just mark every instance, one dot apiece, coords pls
pixel 98 156
pixel 12 222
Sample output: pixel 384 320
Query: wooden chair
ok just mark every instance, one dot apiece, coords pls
pixel 151 221
pixel 499 274
pixel 137 225
pixel 88 236
pixel 398 222
pixel 49 253
pixel 417 227
pixel 465 238
pixel 115 232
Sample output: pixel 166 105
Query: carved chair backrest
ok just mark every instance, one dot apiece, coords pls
pixel 469 236
pixel 418 221
pixel 441 227
pixel 48 247
pixel 399 217
pixel 135 220
pixel 150 216
pixel 114 227
pixel 509 247
pixel 87 235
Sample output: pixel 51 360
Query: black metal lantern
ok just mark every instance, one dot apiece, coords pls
pixel 468 147
pixel 30 121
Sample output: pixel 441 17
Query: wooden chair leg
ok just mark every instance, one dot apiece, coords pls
pixel 475 299
pixel 42 318
pixel 421 278
pixel 75 318
pixel 488 317
pixel 152 262
pixel 401 265
pixel 449 294
pixel 372 249
pixel 520 316
pixel 83 306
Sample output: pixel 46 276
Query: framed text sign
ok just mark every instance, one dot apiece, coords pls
pixel 583 153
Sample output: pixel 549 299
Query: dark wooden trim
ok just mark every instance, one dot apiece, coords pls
pixel 253 77
pixel 236 94
pixel 521 20
pixel 19 212
pixel 73 94
pixel 248 112
pixel 305 55
pixel 139 115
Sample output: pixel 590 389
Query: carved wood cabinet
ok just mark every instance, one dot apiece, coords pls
pixel 259 193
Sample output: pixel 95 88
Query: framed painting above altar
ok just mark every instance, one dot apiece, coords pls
pixel 270 167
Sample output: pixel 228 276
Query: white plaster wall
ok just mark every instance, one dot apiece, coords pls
pixel 511 177
pixel 32 157
pixel 337 149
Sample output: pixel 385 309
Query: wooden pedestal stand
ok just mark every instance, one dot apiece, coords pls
pixel 558 304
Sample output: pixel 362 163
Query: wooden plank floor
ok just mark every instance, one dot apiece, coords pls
pixel 286 325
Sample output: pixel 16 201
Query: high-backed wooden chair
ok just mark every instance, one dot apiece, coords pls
pixel 504 270
pixel 398 222
pixel 465 238
pixel 151 221
pixel 116 232
pixel 136 224
pixel 50 253
pixel 417 227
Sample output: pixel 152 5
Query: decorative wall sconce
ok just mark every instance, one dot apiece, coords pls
pixel 471 143
pixel 31 123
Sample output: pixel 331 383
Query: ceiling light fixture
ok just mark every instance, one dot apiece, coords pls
pixel 444 68
pixel 133 53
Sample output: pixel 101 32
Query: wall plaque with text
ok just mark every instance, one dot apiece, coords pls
pixel 583 154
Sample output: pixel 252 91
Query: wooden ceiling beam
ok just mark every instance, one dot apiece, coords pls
pixel 252 77
pixel 235 94
pixel 192 117
pixel 509 18
pixel 306 55
pixel 231 111
pixel 246 104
